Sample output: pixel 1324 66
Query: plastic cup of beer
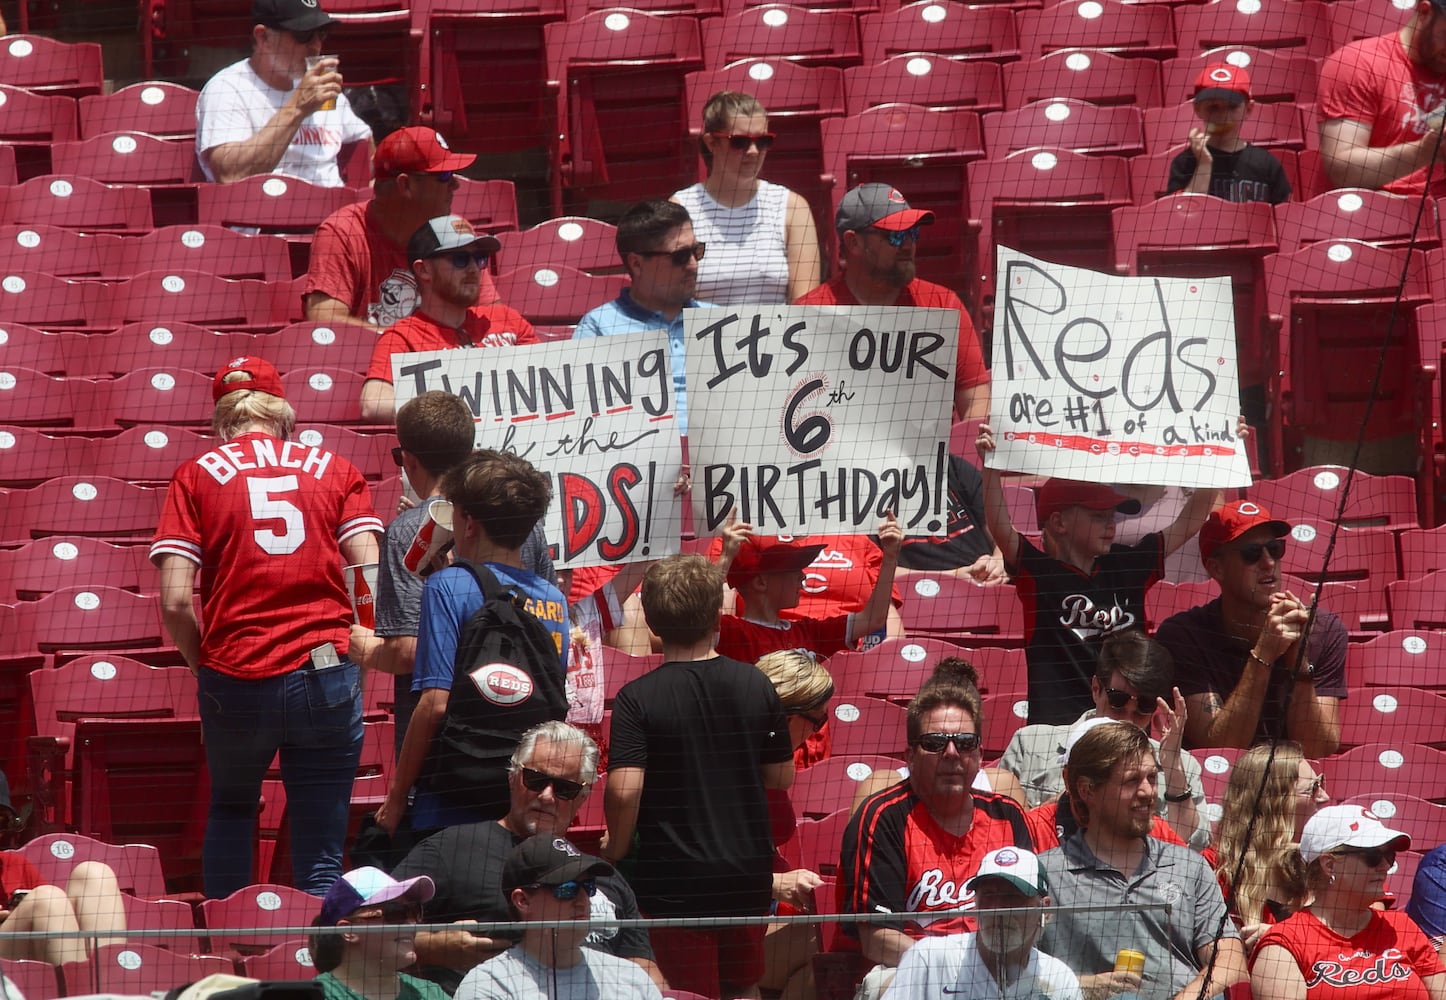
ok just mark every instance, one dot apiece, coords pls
pixel 1129 960
pixel 311 64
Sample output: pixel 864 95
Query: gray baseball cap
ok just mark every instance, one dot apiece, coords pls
pixel 446 233
pixel 880 207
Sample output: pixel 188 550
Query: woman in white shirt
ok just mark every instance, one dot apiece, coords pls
pixel 762 244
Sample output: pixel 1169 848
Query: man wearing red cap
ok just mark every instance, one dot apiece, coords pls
pixel 1380 107
pixel 1239 659
pixel 268 524
pixel 271 113
pixel 1219 161
pixel 359 268
pixel 878 234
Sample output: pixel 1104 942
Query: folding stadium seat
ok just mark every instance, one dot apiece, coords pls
pixel 782 31
pixel 1197 236
pixel 490 206
pixel 35 980
pixel 925 155
pixel 817 844
pixel 1002 670
pixel 34 298
pixel 370 453
pixel 46 66
pixel 8 175
pixel 163 915
pixel 1085 75
pixel 24 346
pixel 1424 821
pixel 1272 126
pixel 1277 76
pixel 375 43
pixel 160 344
pixel 127 158
pixel 950 606
pixel 28 456
pixel 56 855
pixel 230 921
pixel 286 307
pixel 46 565
pixel 132 969
pixel 63 253
pixel 1216 764
pixel 1352 20
pixel 1416 603
pixel 1377 217
pixel 894 669
pixel 387 493
pixel 164 110
pixel 556 295
pixel 166 396
pixel 28 397
pixel 927 80
pixel 1333 303
pixel 944 27
pixel 617 77
pixel 1394 766
pixel 213 249
pixel 1364 556
pixel 1403 658
pixel 1064 123
pixel 30 122
pixel 324 396
pixel 342 346
pixel 1165 599
pixel 1314 494
pixel 1396 715
pixel 1004 715
pixel 178 296
pixel 92 617
pixel 1423 550
pixel 622 669
pixel 79 203
pixel 867 726
pixel 271 203
pixel 1304 26
pixel 1104 25
pixel 287 960
pixel 72 505
pixel 573 241
pixel 829 785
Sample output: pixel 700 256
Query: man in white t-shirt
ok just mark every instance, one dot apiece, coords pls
pixel 268 113
pixel 999 960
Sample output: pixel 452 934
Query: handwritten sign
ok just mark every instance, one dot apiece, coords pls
pixel 819 420
pixel 1107 378
pixel 595 415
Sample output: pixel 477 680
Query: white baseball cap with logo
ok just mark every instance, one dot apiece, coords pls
pixel 1018 867
pixel 1335 827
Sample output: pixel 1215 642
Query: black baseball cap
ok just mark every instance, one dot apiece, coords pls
pixel 290 15
pixel 547 859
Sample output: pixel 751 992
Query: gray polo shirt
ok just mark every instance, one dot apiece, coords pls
pixel 1033 757
pixel 1168 874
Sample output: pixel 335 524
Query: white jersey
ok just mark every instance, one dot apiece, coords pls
pixel 939 967
pixel 747 259
pixel 236 104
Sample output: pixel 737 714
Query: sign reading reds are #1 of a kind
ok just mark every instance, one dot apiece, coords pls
pixel 596 416
pixel 820 419
pixel 1107 378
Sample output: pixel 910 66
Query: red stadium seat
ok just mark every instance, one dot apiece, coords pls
pixel 556 295
pixel 342 346
pixel 1352 20
pixel 491 206
pixel 94 617
pixel 1166 599
pixel 179 296
pixel 137 866
pixel 1216 764
pixel 573 241
pixel 1416 604
pixel 622 669
pixel 1303 26
pixel 817 844
pixel 1394 765
pixel 1397 715
pixel 1403 658
pixel 951 606
pixel 894 669
pixel 30 123
pixel 139 969
pixel 1365 556
pixel 1376 217
pixel 35 980
pixel 28 397
pixel 160 344
pixel 782 31
pixel 46 565
pixel 1002 670
pixel 28 456
pixel 167 396
pixel 1004 715
pixel 230 920
pixel 927 80
pixel 867 726
pixel 617 77
pixel 271 203
pixel 213 249
pixel 945 27
pixel 1150 173
pixel 829 785
pixel 287 960
pixel 24 346
pixel 1063 123
pixel 73 505
pixel 1277 76
pixel 1422 820
pixel 163 915
pixel 370 453
pixel 63 253
pixel 324 396
pixel 47 66
pixel 1272 126
pixel 36 299
pixel 375 42
pixel 1315 494
pixel 1084 75
pixel 79 203
pixel 127 158
pixel 148 455
pixel 1423 550
pixel 165 110
pixel 1105 25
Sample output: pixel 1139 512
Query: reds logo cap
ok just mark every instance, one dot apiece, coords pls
pixel 760 554
pixel 263 378
pixel 878 206
pixel 549 860
pixel 1335 827
pixel 1059 495
pixel 416 150
pixel 1014 865
pixel 1223 82
pixel 447 233
pixel 1234 519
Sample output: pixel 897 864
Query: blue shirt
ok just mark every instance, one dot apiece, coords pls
pixel 623 315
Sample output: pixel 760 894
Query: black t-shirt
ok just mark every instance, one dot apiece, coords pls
pixel 1249 174
pixel 466 861
pixel 966 539
pixel 702 730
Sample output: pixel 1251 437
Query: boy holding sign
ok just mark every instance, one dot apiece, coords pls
pixel 1082 586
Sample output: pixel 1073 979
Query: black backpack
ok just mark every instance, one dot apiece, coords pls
pixel 507 677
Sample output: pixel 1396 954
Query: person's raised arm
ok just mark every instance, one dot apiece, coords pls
pixel 1171 720
pixel 996 509
pixel 1204 163
pixel 1190 520
pixel 178 611
pixel 1350 161
pixel 234 161
pixel 734 533
pixel 874 615
pixel 805 260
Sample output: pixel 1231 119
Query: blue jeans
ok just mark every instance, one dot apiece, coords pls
pixel 314 718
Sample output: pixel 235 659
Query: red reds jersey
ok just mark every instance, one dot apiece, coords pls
pixel 485 326
pixel 264 520
pixel 741 639
pixel 1389 959
pixel 839 580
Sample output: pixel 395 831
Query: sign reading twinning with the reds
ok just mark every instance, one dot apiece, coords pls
pixel 595 415
pixel 820 420
pixel 1114 379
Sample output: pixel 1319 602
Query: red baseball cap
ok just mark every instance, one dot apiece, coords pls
pixel 1222 81
pixel 264 378
pixel 1059 495
pixel 416 150
pixel 761 554
pixel 1234 519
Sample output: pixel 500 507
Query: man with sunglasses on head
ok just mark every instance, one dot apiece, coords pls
pixel 878 235
pixel 547 878
pixel 1248 670
pixel 360 271
pixel 552 774
pixel 269 113
pixel 448 259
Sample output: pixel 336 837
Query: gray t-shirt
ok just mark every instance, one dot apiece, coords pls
pixel 516 975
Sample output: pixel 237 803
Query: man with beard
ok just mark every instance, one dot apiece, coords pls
pixel 552 773
pixel 448 258
pixel 1011 895
pixel 878 234
pixel 1190 949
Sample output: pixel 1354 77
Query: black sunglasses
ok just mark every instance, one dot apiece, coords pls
pixel 537 781
pixel 939 742
pixel 1120 700
pixel 1250 554
pixel 461 258
pixel 568 890
pixel 307 37
pixel 680 256
pixel 741 141
pixel 1372 856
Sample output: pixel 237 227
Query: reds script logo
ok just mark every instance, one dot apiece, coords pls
pixel 1085 620
pixel 1386 969
pixel 502 683
pixel 934 892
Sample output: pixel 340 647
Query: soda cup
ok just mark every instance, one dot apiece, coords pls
pixel 311 63
pixel 1129 960
pixel 361 587
pixel 431 541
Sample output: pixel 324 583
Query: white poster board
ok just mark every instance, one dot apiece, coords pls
pixel 1114 379
pixel 819 420
pixel 594 415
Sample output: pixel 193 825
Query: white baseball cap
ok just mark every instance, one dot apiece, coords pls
pixel 1016 866
pixel 1347 826
pixel 1081 727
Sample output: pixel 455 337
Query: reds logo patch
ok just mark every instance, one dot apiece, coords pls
pixel 502 683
